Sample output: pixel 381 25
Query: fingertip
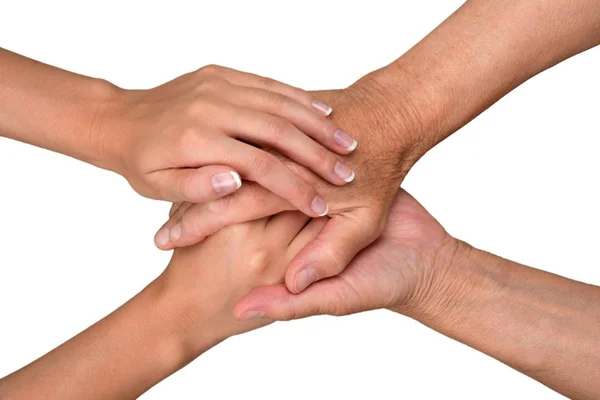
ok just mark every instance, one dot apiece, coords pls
pixel 175 233
pixel 304 279
pixel 225 183
pixel 319 206
pixel 322 108
pixel 161 239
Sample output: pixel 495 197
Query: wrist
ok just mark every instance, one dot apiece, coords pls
pixel 447 286
pixel 404 110
pixel 106 136
pixel 192 326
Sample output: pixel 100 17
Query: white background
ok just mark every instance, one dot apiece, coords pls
pixel 76 242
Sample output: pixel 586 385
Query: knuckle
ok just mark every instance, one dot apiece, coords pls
pixel 211 86
pixel 303 95
pixel 277 126
pixel 211 69
pixel 301 189
pixel 324 157
pixel 263 165
pixel 186 188
pixel 333 261
pixel 216 207
pixel 237 232
pixel 258 263
pixel 201 105
pixel 191 226
pixel 267 83
pixel 189 138
pixel 275 101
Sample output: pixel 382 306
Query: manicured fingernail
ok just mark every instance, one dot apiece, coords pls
pixel 322 107
pixel 319 206
pixel 343 172
pixel 252 314
pixel 162 237
pixel 305 278
pixel 175 233
pixel 344 140
pixel 226 182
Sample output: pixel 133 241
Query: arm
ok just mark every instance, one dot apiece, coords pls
pixel 480 53
pixel 183 313
pixel 188 139
pixel 543 325
pixel 119 357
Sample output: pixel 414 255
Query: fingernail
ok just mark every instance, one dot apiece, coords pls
pixel 226 182
pixel 175 233
pixel 305 278
pixel 322 107
pixel 343 172
pixel 252 314
pixel 319 206
pixel 162 237
pixel 344 140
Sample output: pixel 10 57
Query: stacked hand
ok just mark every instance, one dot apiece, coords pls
pixel 239 271
pixel 358 211
pixel 192 138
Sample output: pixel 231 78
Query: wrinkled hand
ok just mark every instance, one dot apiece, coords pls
pixel 403 270
pixel 191 139
pixel 358 211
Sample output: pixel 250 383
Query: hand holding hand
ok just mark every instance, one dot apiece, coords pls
pixel 402 271
pixel 358 211
pixel 203 282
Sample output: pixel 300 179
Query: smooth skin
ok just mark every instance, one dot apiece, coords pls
pixel 480 53
pixel 191 139
pixel 184 312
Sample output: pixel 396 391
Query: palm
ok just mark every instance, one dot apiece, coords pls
pixel 385 274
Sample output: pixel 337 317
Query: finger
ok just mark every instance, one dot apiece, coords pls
pixel 332 250
pixel 162 238
pixel 320 129
pixel 174 207
pixel 260 82
pixel 309 233
pixel 251 202
pixel 271 173
pixel 267 130
pixel 277 303
pixel 283 227
pixel 196 184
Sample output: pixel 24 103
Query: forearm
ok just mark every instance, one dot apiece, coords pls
pixel 541 324
pixel 475 57
pixel 120 357
pixel 52 108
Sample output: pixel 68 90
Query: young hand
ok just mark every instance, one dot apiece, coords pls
pixel 206 280
pixel 191 139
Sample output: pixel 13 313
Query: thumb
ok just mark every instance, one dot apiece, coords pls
pixel 196 185
pixel 277 303
pixel 330 252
